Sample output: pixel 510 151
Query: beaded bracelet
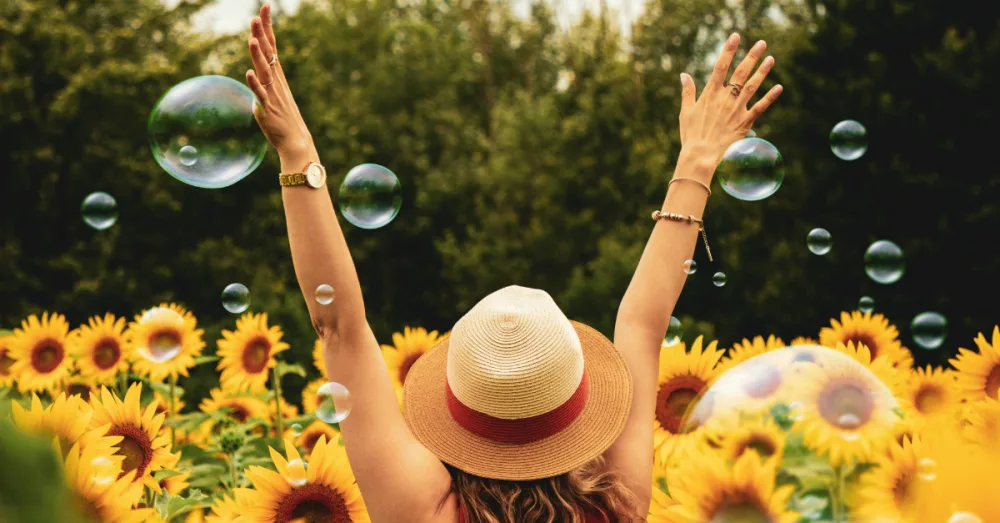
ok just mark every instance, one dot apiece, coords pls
pixel 658 215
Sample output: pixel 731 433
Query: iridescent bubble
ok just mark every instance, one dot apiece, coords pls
pixel 324 294
pixel 884 262
pixel 751 169
pixel 675 331
pixel 927 469
pixel 162 342
pixel 297 476
pixel 866 304
pixel 296 429
pixel 334 402
pixel 100 210
pixel 370 196
pixel 203 132
pixel 103 471
pixel 819 241
pixel 929 330
pixel 690 267
pixel 236 298
pixel 719 279
pixel 849 140
pixel 751 134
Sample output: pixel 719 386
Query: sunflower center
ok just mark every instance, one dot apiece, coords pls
pixel 764 446
pixel 742 512
pixel 673 399
pixel 847 406
pixel 313 503
pixel 404 366
pixel 5 363
pixel 107 353
pixel 164 344
pixel 47 355
pixel 993 382
pixel 310 438
pixel 929 399
pixel 256 354
pixel 135 447
pixel 238 412
pixel 865 339
pixel 902 491
pixel 765 382
pixel 79 389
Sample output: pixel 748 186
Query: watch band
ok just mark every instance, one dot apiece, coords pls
pixel 292 179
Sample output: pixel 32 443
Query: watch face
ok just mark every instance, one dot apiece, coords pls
pixel 316 175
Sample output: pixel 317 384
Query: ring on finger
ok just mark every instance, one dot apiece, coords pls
pixel 273 60
pixel 268 83
pixel 735 89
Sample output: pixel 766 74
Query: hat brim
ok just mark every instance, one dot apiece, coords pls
pixel 597 427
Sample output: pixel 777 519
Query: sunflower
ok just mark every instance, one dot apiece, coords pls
pixel 162 405
pixel 248 353
pixel 145 449
pixel 802 340
pixel 871 330
pixel 846 411
pixel 195 516
pixel 659 503
pixel 710 489
pixel 742 351
pixel 758 383
pixel 893 377
pixel 99 349
pixel 6 361
pixel 164 341
pixel 225 510
pixel 99 491
pixel 979 373
pixel 310 399
pixel 311 434
pixel 735 436
pixel 40 351
pixel 982 423
pixel 930 396
pixel 76 385
pixel 960 478
pixel 328 493
pixel 887 492
pixel 66 420
pixel 174 485
pixel 683 375
pixel 406 349
pixel 242 407
pixel 318 357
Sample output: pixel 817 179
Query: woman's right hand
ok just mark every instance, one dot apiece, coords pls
pixel 711 123
pixel 277 112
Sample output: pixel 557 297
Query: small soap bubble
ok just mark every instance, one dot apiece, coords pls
pixel 866 304
pixel 690 267
pixel 334 402
pixel 849 140
pixel 370 196
pixel 163 342
pixel 297 475
pixel 819 242
pixel 751 169
pixel 296 429
pixel 188 155
pixel 884 262
pixel 929 330
pixel 927 469
pixel 236 298
pixel 719 279
pixel 849 421
pixel 103 471
pixel 751 134
pixel 324 294
pixel 675 331
pixel 100 210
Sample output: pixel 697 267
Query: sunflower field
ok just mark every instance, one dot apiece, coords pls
pixel 846 429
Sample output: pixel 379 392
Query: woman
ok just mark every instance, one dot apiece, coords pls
pixel 520 415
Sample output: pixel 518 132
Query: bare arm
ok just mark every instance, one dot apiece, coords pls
pixel 399 478
pixel 708 125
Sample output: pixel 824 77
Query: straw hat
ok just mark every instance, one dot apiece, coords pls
pixel 518 391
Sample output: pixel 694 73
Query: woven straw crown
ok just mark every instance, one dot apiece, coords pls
pixel 514 355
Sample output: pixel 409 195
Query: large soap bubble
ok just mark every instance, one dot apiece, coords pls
pixel 370 196
pixel 751 169
pixel 203 132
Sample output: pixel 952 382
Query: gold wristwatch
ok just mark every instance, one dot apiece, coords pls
pixel 314 176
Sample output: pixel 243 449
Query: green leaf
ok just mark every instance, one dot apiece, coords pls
pixel 162 388
pixel 170 507
pixel 5 332
pixel 291 368
pixel 205 359
pixel 188 422
pixel 782 415
pixel 161 475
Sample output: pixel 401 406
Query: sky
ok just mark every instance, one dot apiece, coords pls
pixel 228 16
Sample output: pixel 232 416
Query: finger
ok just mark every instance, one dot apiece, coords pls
pixel 721 71
pixel 765 102
pixel 688 91
pixel 265 16
pixel 260 63
pixel 257 31
pixel 254 83
pixel 749 62
pixel 756 80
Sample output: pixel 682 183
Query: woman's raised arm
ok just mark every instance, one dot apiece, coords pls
pixel 708 125
pixel 399 478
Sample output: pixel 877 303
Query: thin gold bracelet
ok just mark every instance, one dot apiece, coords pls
pixel 699 182
pixel 658 215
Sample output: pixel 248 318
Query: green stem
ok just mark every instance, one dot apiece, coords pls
pixel 232 471
pixel 170 415
pixel 277 399
pixel 122 384
pixel 839 503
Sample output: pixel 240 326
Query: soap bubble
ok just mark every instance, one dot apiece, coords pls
pixel 675 331
pixel 100 210
pixel 849 140
pixel 964 517
pixel 927 469
pixel 370 196
pixel 884 262
pixel 819 242
pixel 690 267
pixel 866 304
pixel 203 132
pixel 719 279
pixel 296 429
pixel 751 169
pixel 334 402
pixel 103 471
pixel 324 294
pixel 297 475
pixel 751 134
pixel 929 330
pixel 236 298
pixel 164 340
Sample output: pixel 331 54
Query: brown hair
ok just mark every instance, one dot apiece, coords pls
pixel 560 499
